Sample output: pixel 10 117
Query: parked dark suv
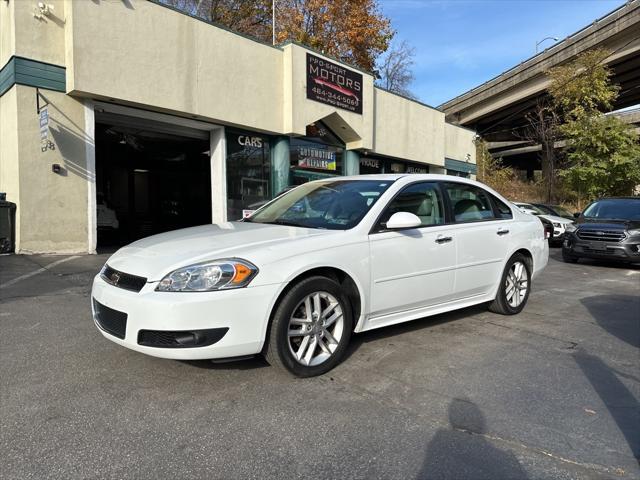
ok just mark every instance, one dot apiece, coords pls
pixel 608 228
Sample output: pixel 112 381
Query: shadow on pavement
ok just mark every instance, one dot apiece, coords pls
pixel 622 405
pixel 358 339
pixel 250 363
pixel 462 451
pixel 619 315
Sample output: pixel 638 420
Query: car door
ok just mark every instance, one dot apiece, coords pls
pixel 482 232
pixel 412 268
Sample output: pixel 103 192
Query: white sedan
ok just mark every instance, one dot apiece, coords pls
pixel 560 224
pixel 324 260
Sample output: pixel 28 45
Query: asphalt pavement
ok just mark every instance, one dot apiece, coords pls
pixel 551 393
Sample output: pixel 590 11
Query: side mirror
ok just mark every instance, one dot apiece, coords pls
pixel 576 215
pixel 403 220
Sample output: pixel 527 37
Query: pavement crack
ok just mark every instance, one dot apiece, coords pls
pixel 522 446
pixel 568 345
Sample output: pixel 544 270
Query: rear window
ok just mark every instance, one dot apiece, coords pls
pixel 503 210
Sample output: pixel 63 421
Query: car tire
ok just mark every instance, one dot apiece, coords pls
pixel 515 286
pixel 310 328
pixel 568 258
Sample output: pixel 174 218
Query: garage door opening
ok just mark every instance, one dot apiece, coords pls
pixel 150 178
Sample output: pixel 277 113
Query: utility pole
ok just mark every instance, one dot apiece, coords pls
pixel 273 22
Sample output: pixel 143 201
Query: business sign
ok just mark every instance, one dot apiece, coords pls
pixel 318 158
pixel 370 162
pixel 330 83
pixel 417 169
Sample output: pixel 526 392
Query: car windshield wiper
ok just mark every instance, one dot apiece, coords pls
pixel 286 223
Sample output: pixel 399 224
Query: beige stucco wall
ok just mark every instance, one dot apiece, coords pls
pixel 407 129
pixel 7 37
pixel 40 39
pixel 459 143
pixel 52 208
pixel 9 171
pixel 140 53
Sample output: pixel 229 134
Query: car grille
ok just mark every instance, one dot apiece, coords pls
pixel 601 235
pixel 611 252
pixel 110 320
pixel 122 280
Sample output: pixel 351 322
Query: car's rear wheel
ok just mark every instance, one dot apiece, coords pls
pixel 515 286
pixel 311 328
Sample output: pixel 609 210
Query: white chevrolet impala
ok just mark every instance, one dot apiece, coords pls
pixel 325 260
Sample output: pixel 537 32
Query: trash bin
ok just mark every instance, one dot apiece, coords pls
pixel 7 225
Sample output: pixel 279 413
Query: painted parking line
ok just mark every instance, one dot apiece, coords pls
pixel 37 272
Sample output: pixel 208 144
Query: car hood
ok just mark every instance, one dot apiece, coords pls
pixel 605 224
pixel 154 257
pixel 555 218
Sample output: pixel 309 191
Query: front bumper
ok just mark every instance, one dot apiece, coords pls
pixel 244 312
pixel 627 250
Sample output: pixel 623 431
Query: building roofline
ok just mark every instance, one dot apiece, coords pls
pixel 279 46
pixel 213 24
pixel 408 98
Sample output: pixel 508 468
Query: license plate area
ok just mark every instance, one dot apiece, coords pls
pixel 598 246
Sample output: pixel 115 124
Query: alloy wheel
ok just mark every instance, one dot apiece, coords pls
pixel 517 284
pixel 315 328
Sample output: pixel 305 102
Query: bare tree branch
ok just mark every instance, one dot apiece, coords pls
pixel 395 69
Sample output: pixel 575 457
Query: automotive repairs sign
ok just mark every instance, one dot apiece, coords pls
pixel 330 83
pixel 309 157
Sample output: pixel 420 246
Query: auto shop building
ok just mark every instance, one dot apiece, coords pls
pixel 120 119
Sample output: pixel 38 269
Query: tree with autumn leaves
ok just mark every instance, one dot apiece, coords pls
pixel 353 31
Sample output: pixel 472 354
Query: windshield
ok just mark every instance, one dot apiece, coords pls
pixel 614 209
pixel 528 206
pixel 563 212
pixel 329 204
pixel 544 209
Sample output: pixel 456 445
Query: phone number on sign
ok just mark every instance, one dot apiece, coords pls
pixel 335 97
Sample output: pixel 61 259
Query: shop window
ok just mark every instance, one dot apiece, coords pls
pixel 456 173
pixel 248 173
pixel 370 165
pixel 317 155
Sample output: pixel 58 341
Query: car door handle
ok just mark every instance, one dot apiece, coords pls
pixel 443 239
pixel 502 231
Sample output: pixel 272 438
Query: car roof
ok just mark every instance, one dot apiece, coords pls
pixel 618 198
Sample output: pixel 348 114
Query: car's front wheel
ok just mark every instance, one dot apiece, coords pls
pixel 515 286
pixel 310 328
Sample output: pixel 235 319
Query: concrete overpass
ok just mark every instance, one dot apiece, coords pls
pixel 497 109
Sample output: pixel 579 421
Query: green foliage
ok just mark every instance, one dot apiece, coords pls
pixel 583 87
pixel 491 171
pixel 604 155
pixel 602 151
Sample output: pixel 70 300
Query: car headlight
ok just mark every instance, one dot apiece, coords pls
pixel 557 225
pixel 209 276
pixel 570 228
